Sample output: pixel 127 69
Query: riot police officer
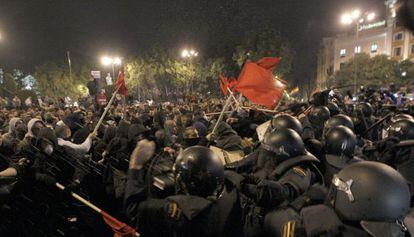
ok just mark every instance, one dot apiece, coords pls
pixel 286 121
pixel 285 170
pixel 360 203
pixel 317 117
pixel 338 120
pixel 340 143
pixel 206 203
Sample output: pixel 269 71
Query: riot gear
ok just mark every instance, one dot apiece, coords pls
pixel 339 120
pixel 402 129
pixel 400 116
pixel 287 121
pixel 333 108
pixel 366 109
pixel 340 141
pixel 319 114
pixel 199 172
pixel 284 143
pixel 361 192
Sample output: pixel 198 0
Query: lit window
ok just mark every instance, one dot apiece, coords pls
pixel 398 36
pixel 342 53
pixel 358 49
pixel 374 48
pixel 397 52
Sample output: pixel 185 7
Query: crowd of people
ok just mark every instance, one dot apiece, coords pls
pixel 334 166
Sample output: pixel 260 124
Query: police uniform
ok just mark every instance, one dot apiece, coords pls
pixel 182 215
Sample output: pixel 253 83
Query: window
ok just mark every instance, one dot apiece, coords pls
pixel 412 49
pixel 374 47
pixel 397 52
pixel 358 49
pixel 398 36
pixel 341 65
pixel 342 53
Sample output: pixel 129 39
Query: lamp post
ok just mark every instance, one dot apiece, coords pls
pixel 189 54
pixel 357 18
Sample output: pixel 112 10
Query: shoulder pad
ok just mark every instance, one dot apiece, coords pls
pixel 327 221
pixel 281 222
pixel 190 206
pixel 233 179
pixel 288 163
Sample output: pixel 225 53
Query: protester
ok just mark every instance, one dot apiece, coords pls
pixel 166 169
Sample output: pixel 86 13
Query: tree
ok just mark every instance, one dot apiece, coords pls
pixel 265 43
pixel 378 70
pixel 406 70
pixel 54 80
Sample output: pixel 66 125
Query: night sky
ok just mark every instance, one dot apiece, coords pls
pixel 36 31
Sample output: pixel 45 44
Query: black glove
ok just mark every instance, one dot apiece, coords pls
pixel 72 188
pixel 46 179
pixel 387 144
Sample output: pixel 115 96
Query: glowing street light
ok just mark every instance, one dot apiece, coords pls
pixel 356 17
pixel 346 19
pixel 189 53
pixel 111 61
pixel 106 61
pixel 371 16
pixel 356 14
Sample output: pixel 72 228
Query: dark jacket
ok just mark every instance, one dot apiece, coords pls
pixel 181 215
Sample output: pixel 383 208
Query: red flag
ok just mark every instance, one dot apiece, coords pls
pixel 227 83
pixel 120 229
pixel 269 63
pixel 257 83
pixel 120 82
pixel 224 84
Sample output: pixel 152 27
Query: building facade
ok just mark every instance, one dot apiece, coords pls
pixel 383 36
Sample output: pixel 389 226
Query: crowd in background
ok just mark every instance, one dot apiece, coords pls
pixel 166 169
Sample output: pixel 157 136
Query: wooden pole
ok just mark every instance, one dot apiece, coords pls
pixel 105 111
pixel 221 114
pixel 87 203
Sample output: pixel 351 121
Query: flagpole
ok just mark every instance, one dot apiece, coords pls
pixel 222 114
pixel 106 110
pixel 87 203
pixel 234 98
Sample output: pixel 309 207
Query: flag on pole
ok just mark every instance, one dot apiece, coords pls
pixel 119 228
pixel 120 82
pixel 226 83
pixel 258 84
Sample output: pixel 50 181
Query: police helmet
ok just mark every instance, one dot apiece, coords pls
pixel 397 117
pixel 284 143
pixel 333 108
pixel 319 114
pixel 339 120
pixel 402 129
pixel 365 108
pixel 199 172
pixel 370 191
pixel 340 141
pixel 287 121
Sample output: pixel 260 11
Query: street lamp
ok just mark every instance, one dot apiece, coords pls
pixel 357 18
pixel 111 61
pixel 189 53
